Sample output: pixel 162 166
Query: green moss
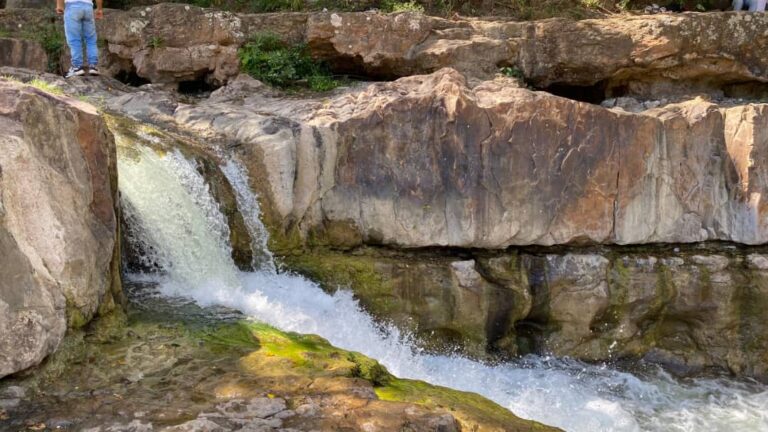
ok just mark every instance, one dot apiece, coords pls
pixel 473 411
pixel 357 272
pixel 75 317
pixel 336 234
pixel 108 327
pixel 316 357
pixel 282 242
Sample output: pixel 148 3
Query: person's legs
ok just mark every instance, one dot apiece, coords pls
pixel 73 31
pixel 757 5
pixel 89 32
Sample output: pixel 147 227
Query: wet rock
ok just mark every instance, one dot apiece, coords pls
pixel 13 392
pixel 133 426
pixel 256 407
pixel 197 425
pixel 8 404
pixel 60 424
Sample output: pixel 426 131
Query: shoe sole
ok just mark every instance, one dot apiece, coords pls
pixel 79 73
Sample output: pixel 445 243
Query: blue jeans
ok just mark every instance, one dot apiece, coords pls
pixel 754 5
pixel 79 24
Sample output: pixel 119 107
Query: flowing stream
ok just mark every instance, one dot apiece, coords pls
pixel 178 224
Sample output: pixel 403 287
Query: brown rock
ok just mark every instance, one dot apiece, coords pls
pixel 21 53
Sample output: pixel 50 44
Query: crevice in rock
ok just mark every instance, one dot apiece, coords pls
pixel 593 94
pixel 131 78
pixel 197 87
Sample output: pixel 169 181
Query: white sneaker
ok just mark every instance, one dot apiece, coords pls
pixel 73 71
pixel 93 70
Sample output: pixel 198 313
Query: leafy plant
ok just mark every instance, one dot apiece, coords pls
pixel 276 5
pixel 512 72
pixel 156 42
pixel 268 58
pixel 591 4
pixel 51 38
pixel 397 6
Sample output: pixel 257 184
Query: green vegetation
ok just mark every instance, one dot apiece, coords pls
pixel 592 4
pixel 46 86
pixel 397 6
pixel 277 352
pixel 51 38
pixel 512 72
pixel 269 59
pixel 356 272
pixel 156 42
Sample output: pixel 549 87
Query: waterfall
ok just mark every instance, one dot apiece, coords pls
pixel 249 208
pixel 181 230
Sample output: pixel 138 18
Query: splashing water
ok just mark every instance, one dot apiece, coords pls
pixel 183 231
pixel 248 205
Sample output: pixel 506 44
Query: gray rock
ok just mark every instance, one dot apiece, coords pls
pixel 261 407
pixel 197 425
pixel 66 249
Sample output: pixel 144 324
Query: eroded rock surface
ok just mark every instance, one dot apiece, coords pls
pixel 23 54
pixel 650 55
pixel 429 161
pixel 57 221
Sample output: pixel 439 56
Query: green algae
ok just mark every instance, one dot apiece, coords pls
pixel 316 357
pixel 473 411
pixel 356 272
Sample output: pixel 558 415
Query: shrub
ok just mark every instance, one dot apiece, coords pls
pixel 512 72
pixel 267 58
pixel 396 6
pixel 51 38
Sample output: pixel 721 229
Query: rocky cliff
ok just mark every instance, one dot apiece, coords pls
pixel 58 231
pixel 504 214
pixel 646 55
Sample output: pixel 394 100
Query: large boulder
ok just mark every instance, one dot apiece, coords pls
pixel 428 161
pixel 57 222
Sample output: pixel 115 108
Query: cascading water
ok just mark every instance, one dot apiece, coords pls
pixel 178 223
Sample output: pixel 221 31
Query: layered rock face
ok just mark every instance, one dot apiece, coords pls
pixel 452 178
pixel 57 222
pixel 498 166
pixel 648 55
pixel 689 309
